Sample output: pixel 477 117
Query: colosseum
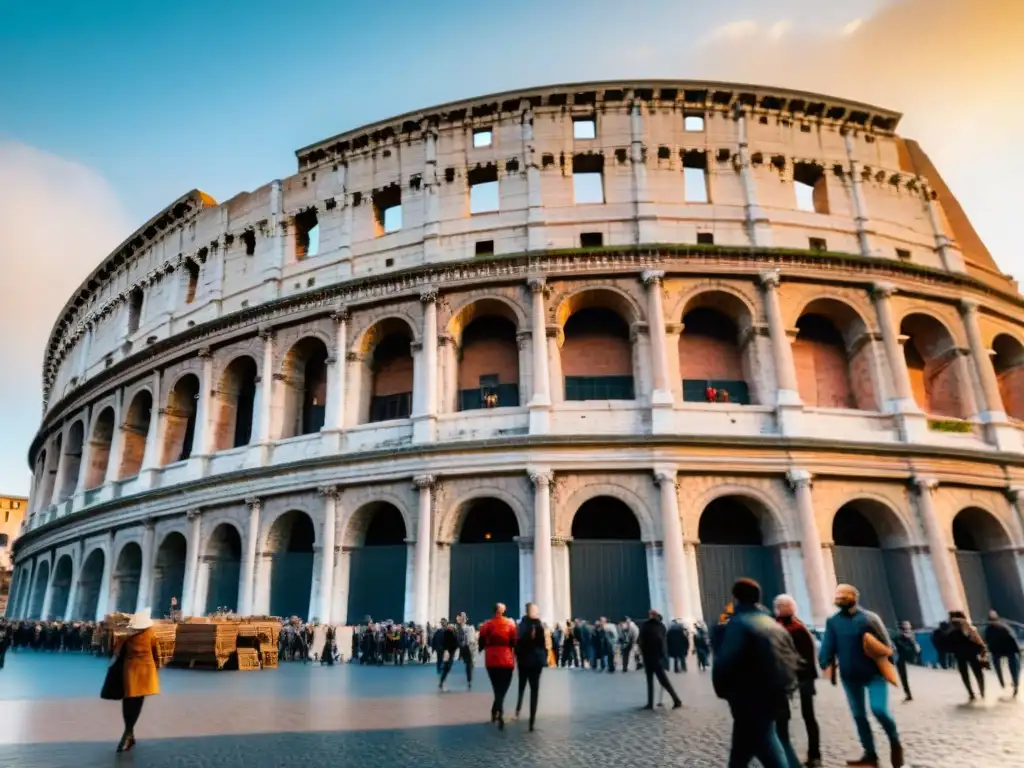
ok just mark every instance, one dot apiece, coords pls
pixel 603 346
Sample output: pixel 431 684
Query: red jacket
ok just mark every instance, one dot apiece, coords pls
pixel 498 639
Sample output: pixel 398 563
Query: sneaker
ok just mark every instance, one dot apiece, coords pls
pixel 677 704
pixel 865 761
pixel 897 755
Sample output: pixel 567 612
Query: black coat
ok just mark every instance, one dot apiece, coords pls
pixel 531 649
pixel 1000 639
pixel 678 643
pixel 653 641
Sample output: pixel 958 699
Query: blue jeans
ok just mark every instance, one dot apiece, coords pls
pixel 754 736
pixel 878 697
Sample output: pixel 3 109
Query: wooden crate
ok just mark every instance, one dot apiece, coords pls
pixel 247 659
pixel 269 658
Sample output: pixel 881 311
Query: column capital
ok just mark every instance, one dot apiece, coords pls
pixel 424 481
pixel 340 315
pixel 769 279
pixel 193 514
pixel 560 541
pixel 968 305
pixel 537 284
pixel 1014 493
pixel 329 491
pixel 204 353
pixel 924 484
pixel 799 478
pixel 664 475
pixel 149 524
pixel 651 277
pixel 522 337
pixel 428 295
pixel 882 290
pixel 266 332
pixel 541 478
pixel 254 503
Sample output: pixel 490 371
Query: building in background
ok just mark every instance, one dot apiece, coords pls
pixel 12 513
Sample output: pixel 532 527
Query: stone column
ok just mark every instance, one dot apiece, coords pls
pixel 951 257
pixel 424 416
pixel 904 400
pixel 535 239
pixel 1015 496
pixel 646 218
pixel 527 574
pixel 810 546
pixel 116 440
pixel 656 576
pixel 264 400
pixel 695 603
pixel 339 590
pixel 860 207
pixel 77 561
pixel 331 496
pixel 245 597
pixel 154 437
pixel 204 408
pixel 661 394
pixel 677 587
pixel 993 413
pixel 273 262
pixel 334 418
pixel 195 543
pixel 431 197
pixel 108 571
pixel 424 539
pixel 61 463
pixel 540 402
pixel 563 591
pixel 48 594
pixel 146 573
pixel 942 561
pixel 85 458
pixel 758 228
pixel 782 351
pixel 543 564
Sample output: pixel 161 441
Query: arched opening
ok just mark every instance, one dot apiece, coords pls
pixel 305 388
pixel 89 582
pixel 833 364
pixel 1008 360
pixel 168 573
pixel 99 449
pixel 378 564
pixel 388 372
pixel 72 460
pixel 180 419
pixel 50 478
pixel 61 588
pixel 712 360
pixel 39 591
pixel 236 397
pixel 988 566
pixel 290 545
pixel 733 533
pixel 489 363
pixel 871 552
pixel 42 479
pixel 124 587
pixel 134 433
pixel 224 561
pixel 935 367
pixel 597 355
pixel 607 562
pixel 485 561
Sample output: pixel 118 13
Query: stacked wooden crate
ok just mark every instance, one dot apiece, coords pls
pixel 206 643
pixel 260 634
pixel 166 636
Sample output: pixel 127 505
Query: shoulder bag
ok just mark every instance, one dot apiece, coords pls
pixel 113 684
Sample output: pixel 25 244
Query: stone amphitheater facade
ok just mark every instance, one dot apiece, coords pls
pixel 602 346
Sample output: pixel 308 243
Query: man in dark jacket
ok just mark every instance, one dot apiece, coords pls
pixel 654 650
pixel 677 646
pixel 785 614
pixel 754 669
pixel 449 647
pixel 437 644
pixel 907 652
pixel 843 643
pixel 1002 644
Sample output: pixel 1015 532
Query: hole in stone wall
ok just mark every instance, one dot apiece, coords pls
pixel 249 239
pixel 387 209
pixel 588 179
pixel 584 128
pixel 483 189
pixel 307 234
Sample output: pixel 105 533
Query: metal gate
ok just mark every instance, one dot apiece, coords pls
pixel 376 585
pixel 127 594
pixel 899 566
pixel 865 568
pixel 291 579
pixel 719 565
pixel 168 582
pixel 608 578
pixel 222 590
pixel 482 575
pixel 972 576
pixel 1003 579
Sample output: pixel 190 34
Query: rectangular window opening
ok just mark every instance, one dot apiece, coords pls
pixel 817 244
pixel 903 254
pixel 484 192
pixel 810 187
pixel 307 235
pixel 705 238
pixel 584 128
pixel 389 262
pixel 695 177
pixel 591 239
pixel 588 179
pixel 484 248
pixel 693 123
pixel 387 209
pixel 483 137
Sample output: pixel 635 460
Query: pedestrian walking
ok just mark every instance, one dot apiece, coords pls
pixel 803 641
pixel 678 645
pixel 531 658
pixel 653 642
pixel 844 643
pixel 449 647
pixel 907 652
pixel 465 637
pixel 498 638
pixel 969 650
pixel 1001 642
pixel 6 638
pixel 327 652
pixel 139 653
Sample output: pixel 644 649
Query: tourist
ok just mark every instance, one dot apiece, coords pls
pixel 843 642
pixel 437 644
pixel 141 661
pixel 803 641
pixel 754 670
pixel 653 642
pixel 701 645
pixel 465 636
pixel 449 647
pixel 570 646
pixel 531 657
pixel 629 634
pixel 497 641
pixel 999 638
pixel 907 652
pixel 678 645
pixel 327 654
pixel 5 641
pixel 969 650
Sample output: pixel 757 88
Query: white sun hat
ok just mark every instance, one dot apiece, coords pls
pixel 141 620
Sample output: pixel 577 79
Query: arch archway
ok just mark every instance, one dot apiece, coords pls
pixel 831 372
pixel 597 355
pixel 63 573
pixel 607 562
pixel 236 397
pixel 988 566
pixel 72 460
pixel 387 372
pixel 124 586
pixel 134 432
pixel 39 591
pixel 484 560
pixel 224 568
pixel 99 449
pixel 378 564
pixel 488 369
pixel 1008 361
pixel 43 480
pixel 935 368
pixel 89 583
pixel 712 359
pixel 168 573
pixel 870 552
pixel 180 419
pixel 305 387
pixel 732 533
pixel 290 545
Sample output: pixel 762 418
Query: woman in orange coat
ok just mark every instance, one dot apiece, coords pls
pixel 498 640
pixel 141 661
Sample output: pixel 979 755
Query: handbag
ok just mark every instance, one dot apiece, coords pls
pixel 113 683
pixel 881 654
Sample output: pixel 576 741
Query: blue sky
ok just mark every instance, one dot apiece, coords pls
pixel 113 109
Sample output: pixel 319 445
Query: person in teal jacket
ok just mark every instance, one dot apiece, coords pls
pixel 843 644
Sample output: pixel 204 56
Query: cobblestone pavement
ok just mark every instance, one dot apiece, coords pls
pixel 50 715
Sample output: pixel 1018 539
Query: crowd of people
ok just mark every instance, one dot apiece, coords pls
pixel 74 636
